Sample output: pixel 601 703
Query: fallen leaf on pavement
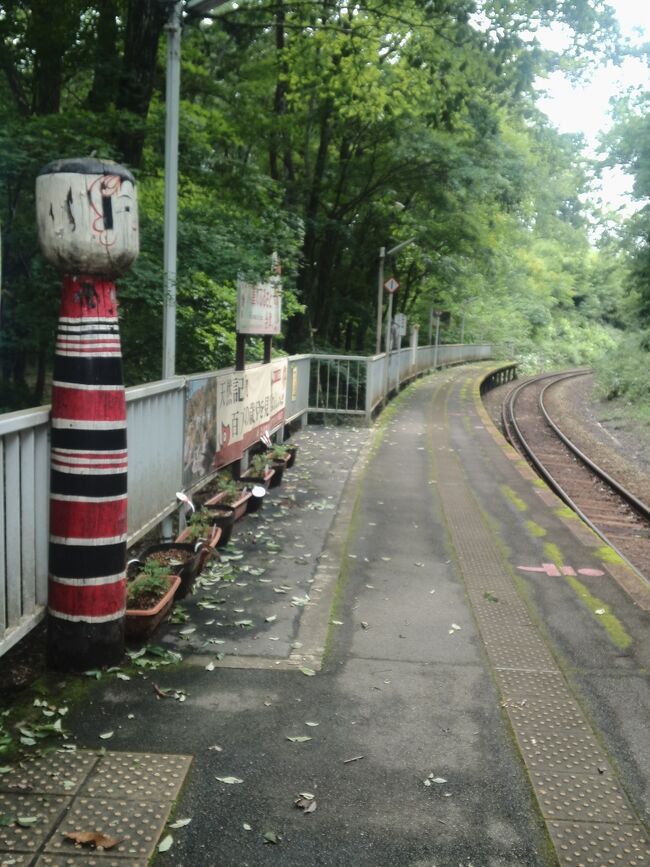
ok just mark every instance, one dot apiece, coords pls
pixel 94 839
pixel 229 780
pixel 271 837
pixel 308 672
pixel 166 843
pixel 307 805
pixel 180 823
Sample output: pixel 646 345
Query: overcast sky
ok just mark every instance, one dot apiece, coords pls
pixel 585 108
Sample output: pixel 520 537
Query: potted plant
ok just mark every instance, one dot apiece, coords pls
pixel 149 596
pixel 223 517
pixel 180 558
pixel 203 533
pixel 280 457
pixel 230 493
pixel 284 453
pixel 259 472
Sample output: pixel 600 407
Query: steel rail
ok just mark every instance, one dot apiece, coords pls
pixel 528 452
pixel 623 492
pixel 508 411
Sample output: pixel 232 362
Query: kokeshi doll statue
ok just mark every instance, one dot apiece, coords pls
pixel 88 229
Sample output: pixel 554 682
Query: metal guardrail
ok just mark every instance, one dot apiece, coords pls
pixel 24 519
pixel 355 385
pixel 346 385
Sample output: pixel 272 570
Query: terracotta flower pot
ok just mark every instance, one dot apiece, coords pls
pixel 141 623
pixel 239 506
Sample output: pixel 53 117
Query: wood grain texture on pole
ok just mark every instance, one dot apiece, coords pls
pixel 88 229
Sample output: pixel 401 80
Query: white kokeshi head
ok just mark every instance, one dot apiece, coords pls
pixel 87 215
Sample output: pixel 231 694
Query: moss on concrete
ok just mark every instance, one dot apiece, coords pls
pixel 513 498
pixel 610 623
pixel 554 554
pixel 609 555
pixel 566 512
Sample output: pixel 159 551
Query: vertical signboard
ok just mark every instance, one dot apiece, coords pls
pixel 259 305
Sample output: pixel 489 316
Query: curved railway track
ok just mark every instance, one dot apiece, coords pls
pixel 620 518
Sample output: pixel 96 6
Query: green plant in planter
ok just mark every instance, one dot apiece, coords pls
pixel 228 486
pixel 278 452
pixel 199 525
pixel 258 465
pixel 148 587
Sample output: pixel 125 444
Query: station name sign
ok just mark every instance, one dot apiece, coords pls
pixel 259 305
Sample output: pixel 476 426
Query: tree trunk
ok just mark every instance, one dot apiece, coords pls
pixel 144 24
pixel 307 276
pixel 106 70
pixel 49 34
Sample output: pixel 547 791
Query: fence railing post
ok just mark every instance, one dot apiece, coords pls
pixel 368 407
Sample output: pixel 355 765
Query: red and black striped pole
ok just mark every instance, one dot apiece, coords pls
pixel 87 217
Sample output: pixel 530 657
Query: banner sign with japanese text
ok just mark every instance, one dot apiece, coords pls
pixel 249 402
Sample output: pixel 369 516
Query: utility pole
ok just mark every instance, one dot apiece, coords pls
pixel 383 253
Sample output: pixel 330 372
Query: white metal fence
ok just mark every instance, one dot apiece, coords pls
pixel 353 386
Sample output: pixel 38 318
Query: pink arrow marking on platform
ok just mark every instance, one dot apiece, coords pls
pixel 552 571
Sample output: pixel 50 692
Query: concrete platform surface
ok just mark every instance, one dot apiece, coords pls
pixel 418 644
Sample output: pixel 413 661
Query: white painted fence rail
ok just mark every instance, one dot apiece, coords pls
pixel 343 385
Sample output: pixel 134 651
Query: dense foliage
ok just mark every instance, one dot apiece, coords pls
pixel 321 130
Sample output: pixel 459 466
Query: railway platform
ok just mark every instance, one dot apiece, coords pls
pixel 425 660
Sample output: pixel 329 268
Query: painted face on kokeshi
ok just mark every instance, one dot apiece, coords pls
pixel 87 215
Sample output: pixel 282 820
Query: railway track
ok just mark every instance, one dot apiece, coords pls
pixel 617 515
